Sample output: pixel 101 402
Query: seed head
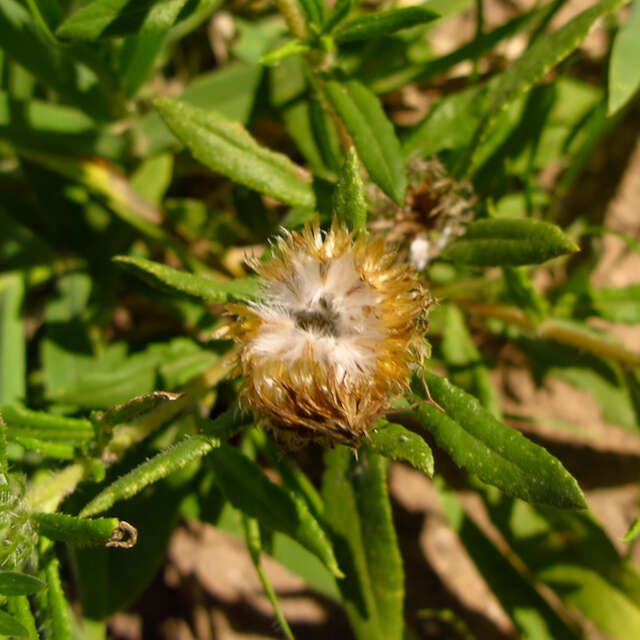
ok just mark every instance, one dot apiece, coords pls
pixel 333 337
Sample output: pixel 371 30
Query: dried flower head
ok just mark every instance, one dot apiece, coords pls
pixel 436 211
pixel 333 337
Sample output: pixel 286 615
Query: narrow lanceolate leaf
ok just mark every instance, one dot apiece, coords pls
pixel 624 70
pixel 384 561
pixel 532 66
pixel 530 612
pixel 12 340
pixel 135 408
pixel 340 11
pixel 497 454
pixel 226 147
pixel 248 489
pixel 168 278
pixel 314 10
pixel 634 531
pixel 20 608
pixel 45 426
pixel 292 48
pixel 395 442
pixel 380 23
pixel 254 543
pixel 508 241
pixel 160 466
pixel 349 204
pixel 112 18
pixel 449 124
pixel 59 610
pixel 372 134
pixel 14 583
pixel 358 512
pixel 81 532
pixel 60 450
pixel 9 626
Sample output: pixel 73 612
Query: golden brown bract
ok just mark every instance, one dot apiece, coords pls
pixel 333 338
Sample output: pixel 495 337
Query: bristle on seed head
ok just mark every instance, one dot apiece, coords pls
pixel 333 337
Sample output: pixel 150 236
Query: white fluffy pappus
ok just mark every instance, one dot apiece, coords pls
pixel 333 336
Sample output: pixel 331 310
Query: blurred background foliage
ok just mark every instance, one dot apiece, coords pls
pixel 488 141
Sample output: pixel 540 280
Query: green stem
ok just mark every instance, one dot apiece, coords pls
pixel 293 17
pixel 558 330
pixel 41 22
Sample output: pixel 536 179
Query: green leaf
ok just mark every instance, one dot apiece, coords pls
pixel 358 511
pixel 170 279
pixel 513 242
pixel 160 466
pixel 113 18
pixel 60 450
pixel 530 612
pixel 617 304
pixel 570 553
pixel 372 134
pixel 9 626
pixel 58 609
pixel 465 363
pixel 324 130
pixel 248 489
pixel 66 350
pixel 111 380
pixel 473 50
pixel 102 572
pixel 45 426
pixel 610 392
pixel 349 203
pixel 229 90
pixel 54 66
pixel 624 71
pixel 137 58
pixel 309 122
pixel 14 583
pixel 135 408
pixel 522 291
pixel 20 608
pixel 254 544
pixel 634 531
pixel 82 532
pixel 226 147
pixel 340 11
pixel 532 66
pixel 186 367
pixel 292 477
pixel 384 562
pixel 380 23
pixel 12 340
pixel 48 15
pixel 497 454
pixel 45 126
pixel 292 48
pixel 314 11
pixel 450 124
pixel 395 442
pixel 298 120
